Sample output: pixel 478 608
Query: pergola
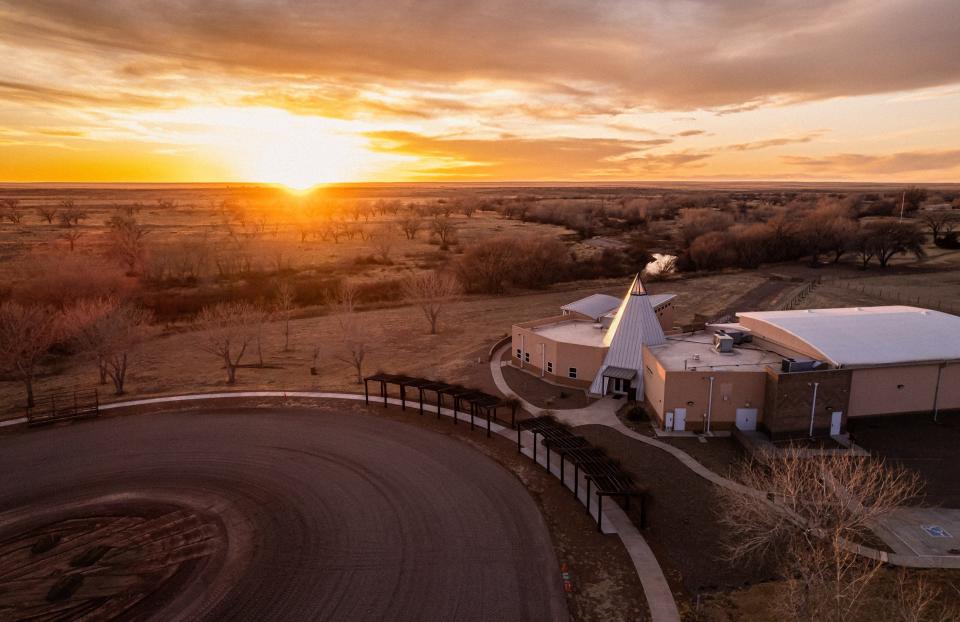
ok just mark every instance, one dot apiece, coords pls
pixel 480 403
pixel 604 476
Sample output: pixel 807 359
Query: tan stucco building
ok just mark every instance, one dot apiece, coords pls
pixel 789 373
pixel 570 349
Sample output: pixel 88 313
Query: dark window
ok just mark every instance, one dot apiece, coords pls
pixel 549 367
pixel 518 352
pixel 573 372
pixel 526 357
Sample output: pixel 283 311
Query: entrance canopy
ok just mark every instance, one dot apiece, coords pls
pixel 620 372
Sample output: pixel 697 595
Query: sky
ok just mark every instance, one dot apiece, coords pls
pixel 298 93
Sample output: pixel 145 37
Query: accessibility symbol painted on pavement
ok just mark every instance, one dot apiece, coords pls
pixel 936 531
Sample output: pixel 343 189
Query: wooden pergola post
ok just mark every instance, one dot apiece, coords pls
pixel 599 512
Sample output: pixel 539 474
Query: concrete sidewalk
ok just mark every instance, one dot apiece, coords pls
pixel 896 531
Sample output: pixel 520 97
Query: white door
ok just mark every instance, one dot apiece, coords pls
pixel 679 419
pixel 835 420
pixel 747 419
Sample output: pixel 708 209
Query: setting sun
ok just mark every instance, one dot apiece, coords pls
pixel 299 152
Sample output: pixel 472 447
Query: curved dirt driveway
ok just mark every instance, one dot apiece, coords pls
pixel 328 516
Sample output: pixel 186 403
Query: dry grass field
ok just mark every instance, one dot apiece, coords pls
pixel 271 230
pixel 170 362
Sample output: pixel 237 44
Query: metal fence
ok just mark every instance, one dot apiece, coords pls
pixel 64 405
pixel 892 293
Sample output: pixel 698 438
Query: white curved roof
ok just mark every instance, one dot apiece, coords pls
pixel 594 306
pixel 867 335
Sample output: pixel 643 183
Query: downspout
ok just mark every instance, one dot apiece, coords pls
pixel 709 405
pixel 936 391
pixel 813 407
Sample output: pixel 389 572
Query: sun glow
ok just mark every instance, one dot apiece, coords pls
pixel 301 152
pixel 273 146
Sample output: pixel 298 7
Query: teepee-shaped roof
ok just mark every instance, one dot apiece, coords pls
pixel 634 325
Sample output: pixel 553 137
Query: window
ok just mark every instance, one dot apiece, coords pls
pixel 518 352
pixel 573 372
pixel 549 367
pixel 526 357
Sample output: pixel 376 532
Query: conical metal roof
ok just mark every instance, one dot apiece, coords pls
pixel 634 325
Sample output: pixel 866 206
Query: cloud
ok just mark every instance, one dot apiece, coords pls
pixel 727 55
pixel 514 157
pixel 892 164
pixel 26 93
pixel 690 133
pixel 774 142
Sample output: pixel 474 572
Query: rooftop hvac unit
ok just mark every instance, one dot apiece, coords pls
pixel 723 343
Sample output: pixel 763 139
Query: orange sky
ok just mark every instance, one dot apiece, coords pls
pixel 307 92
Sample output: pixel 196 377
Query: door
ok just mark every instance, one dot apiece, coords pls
pixel 679 419
pixel 668 424
pixel 835 420
pixel 747 419
pixel 621 386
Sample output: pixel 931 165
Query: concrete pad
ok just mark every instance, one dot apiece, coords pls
pixel 922 531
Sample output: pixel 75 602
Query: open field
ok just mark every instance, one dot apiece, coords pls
pixel 398 337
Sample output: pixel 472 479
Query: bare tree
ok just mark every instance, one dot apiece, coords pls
pixel 284 305
pixel 47 212
pixel 939 222
pixel 814 509
pixel 70 215
pixel 431 291
pixel 445 229
pixel 383 242
pixel 26 334
pixel 354 336
pixel 71 237
pixel 913 197
pixel 15 216
pixel 261 317
pixel 229 328
pixel 86 328
pixel 127 242
pixel 891 238
pixel 111 331
pixel 486 266
pixel 410 225
pixel 917 599
pixel 865 248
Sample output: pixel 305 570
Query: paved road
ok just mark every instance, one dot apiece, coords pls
pixel 328 516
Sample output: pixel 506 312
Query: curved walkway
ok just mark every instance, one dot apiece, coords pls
pixel 603 412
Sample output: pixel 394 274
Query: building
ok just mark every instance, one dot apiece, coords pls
pixel 594 338
pixel 789 373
